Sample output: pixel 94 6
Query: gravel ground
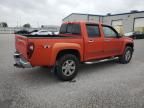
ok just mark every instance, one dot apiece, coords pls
pixel 103 85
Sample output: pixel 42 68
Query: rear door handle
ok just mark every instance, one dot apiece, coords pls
pixel 90 41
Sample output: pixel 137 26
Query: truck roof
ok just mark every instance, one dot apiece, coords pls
pixel 78 22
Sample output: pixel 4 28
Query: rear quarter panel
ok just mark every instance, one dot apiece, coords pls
pixel 47 56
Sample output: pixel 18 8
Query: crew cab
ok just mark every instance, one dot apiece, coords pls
pixel 78 42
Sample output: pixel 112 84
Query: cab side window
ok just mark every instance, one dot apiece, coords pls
pixel 93 31
pixel 109 32
pixel 70 29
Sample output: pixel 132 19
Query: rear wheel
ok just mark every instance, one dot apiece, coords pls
pixel 126 57
pixel 67 67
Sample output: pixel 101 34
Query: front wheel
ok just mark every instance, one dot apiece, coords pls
pixel 67 67
pixel 126 57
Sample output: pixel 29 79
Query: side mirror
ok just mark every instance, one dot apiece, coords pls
pixel 119 35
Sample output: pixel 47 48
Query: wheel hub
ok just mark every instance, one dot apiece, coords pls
pixel 68 67
pixel 128 55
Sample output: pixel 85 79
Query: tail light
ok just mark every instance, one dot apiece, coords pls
pixel 30 49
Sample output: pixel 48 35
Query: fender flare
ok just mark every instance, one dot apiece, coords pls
pixel 58 47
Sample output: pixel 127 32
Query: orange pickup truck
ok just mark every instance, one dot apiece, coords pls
pixel 78 42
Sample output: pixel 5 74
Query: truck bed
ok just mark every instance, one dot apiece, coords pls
pixel 46 36
pixel 22 40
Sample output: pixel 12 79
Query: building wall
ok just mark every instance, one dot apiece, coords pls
pixel 128 19
pixel 82 17
pixel 92 18
pixel 76 17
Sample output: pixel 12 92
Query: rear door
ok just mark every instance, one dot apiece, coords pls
pixel 112 44
pixel 94 42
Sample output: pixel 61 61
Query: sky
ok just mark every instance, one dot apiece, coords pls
pixel 51 12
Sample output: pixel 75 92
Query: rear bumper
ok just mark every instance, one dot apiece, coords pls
pixel 20 62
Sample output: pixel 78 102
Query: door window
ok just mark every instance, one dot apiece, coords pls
pixel 109 32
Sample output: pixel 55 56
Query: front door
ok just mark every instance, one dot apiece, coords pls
pixel 112 44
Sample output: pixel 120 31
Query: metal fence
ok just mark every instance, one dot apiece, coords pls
pixel 11 30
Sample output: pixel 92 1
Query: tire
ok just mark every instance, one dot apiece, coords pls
pixel 67 67
pixel 127 55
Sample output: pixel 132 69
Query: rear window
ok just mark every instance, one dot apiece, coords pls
pixel 63 28
pixel 76 29
pixel 70 29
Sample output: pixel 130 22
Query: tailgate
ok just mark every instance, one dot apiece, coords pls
pixel 21 45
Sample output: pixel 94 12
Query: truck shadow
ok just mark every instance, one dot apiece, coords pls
pixel 43 76
pixel 36 76
pixel 97 66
